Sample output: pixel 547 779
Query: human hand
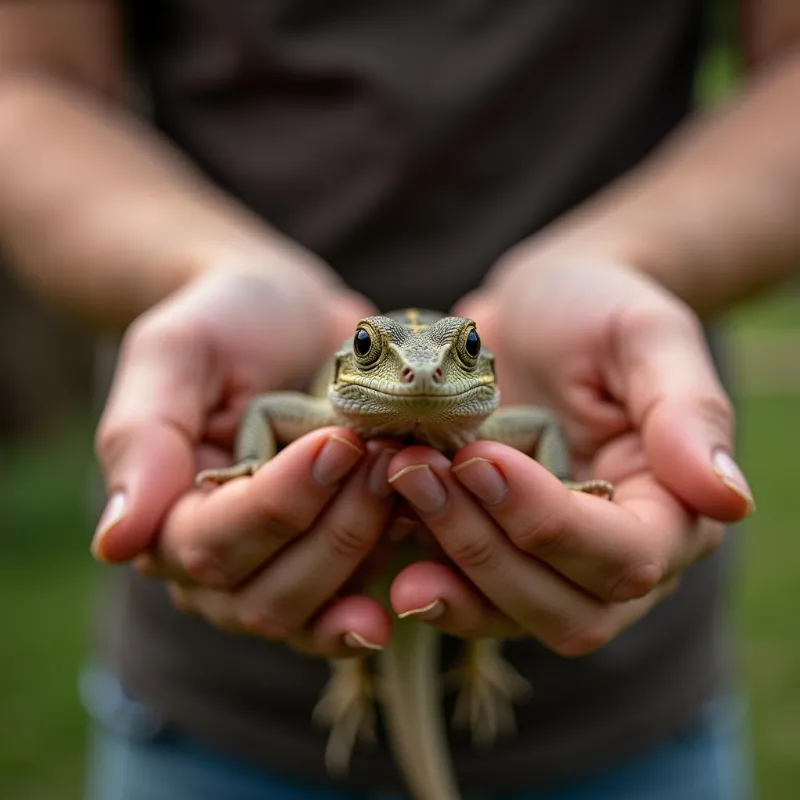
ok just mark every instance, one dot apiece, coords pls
pixel 625 367
pixel 264 555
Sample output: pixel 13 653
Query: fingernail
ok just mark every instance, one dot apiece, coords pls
pixel 358 642
pixel 336 458
pixel 377 481
pixel 483 479
pixel 421 487
pixel 730 474
pixel 426 613
pixel 114 512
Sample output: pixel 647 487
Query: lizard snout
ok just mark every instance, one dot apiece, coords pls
pixel 422 376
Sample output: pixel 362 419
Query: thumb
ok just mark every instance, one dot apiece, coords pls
pixel 670 384
pixel 146 440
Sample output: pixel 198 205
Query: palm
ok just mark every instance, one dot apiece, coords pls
pixel 623 365
pixel 546 359
pixel 249 341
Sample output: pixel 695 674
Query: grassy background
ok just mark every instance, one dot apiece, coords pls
pixel 46 576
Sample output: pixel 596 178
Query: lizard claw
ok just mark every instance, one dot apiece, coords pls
pixel 225 474
pixel 598 488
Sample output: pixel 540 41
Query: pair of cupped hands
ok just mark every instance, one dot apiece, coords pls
pixel 622 363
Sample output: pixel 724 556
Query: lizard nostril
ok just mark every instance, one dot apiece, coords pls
pixel 438 375
pixel 407 375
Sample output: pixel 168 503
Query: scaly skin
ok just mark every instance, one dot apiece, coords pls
pixel 423 377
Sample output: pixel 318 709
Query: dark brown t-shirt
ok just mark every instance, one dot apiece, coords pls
pixel 410 144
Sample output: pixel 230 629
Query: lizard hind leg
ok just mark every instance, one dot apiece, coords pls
pixel 347 708
pixel 488 687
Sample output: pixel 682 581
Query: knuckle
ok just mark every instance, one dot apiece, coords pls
pixel 213 607
pixel 636 327
pixel 716 409
pixel 476 552
pixel 633 323
pixel 347 539
pixel 262 621
pixel 658 317
pixel 583 639
pixel 206 568
pixel 545 536
pixel 682 316
pixel 636 580
pixel 112 439
pixel 155 331
pixel 283 520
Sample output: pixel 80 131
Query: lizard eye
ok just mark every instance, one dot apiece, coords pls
pixel 366 346
pixel 468 346
pixel 472 344
pixel 362 342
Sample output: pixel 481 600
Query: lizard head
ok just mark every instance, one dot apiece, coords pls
pixel 415 372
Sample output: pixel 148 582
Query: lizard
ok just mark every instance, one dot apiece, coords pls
pixel 425 377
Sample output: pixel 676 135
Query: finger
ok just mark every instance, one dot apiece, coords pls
pixel 145 441
pixel 220 537
pixel 147 563
pixel 347 627
pixel 436 594
pixel 305 575
pixel 661 367
pixel 537 598
pixel 616 551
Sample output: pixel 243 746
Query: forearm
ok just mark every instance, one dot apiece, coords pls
pixel 98 212
pixel 713 214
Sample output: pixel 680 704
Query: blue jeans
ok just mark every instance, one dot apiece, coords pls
pixel 134 758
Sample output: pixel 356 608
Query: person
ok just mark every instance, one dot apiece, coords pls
pixel 533 166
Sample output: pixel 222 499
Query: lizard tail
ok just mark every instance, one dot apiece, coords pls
pixel 409 686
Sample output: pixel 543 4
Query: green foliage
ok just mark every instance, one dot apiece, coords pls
pixel 46 578
pixel 767 594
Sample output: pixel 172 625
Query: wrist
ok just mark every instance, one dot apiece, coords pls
pixel 609 233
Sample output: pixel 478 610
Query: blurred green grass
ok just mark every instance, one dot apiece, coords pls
pixel 46 577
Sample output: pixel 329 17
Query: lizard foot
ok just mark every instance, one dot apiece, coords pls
pixel 225 474
pixel 598 488
pixel 347 707
pixel 488 687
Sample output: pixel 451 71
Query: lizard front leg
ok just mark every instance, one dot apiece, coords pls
pixel 270 419
pixel 535 432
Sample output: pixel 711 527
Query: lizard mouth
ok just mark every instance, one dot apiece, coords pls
pixel 367 402
pixel 351 389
